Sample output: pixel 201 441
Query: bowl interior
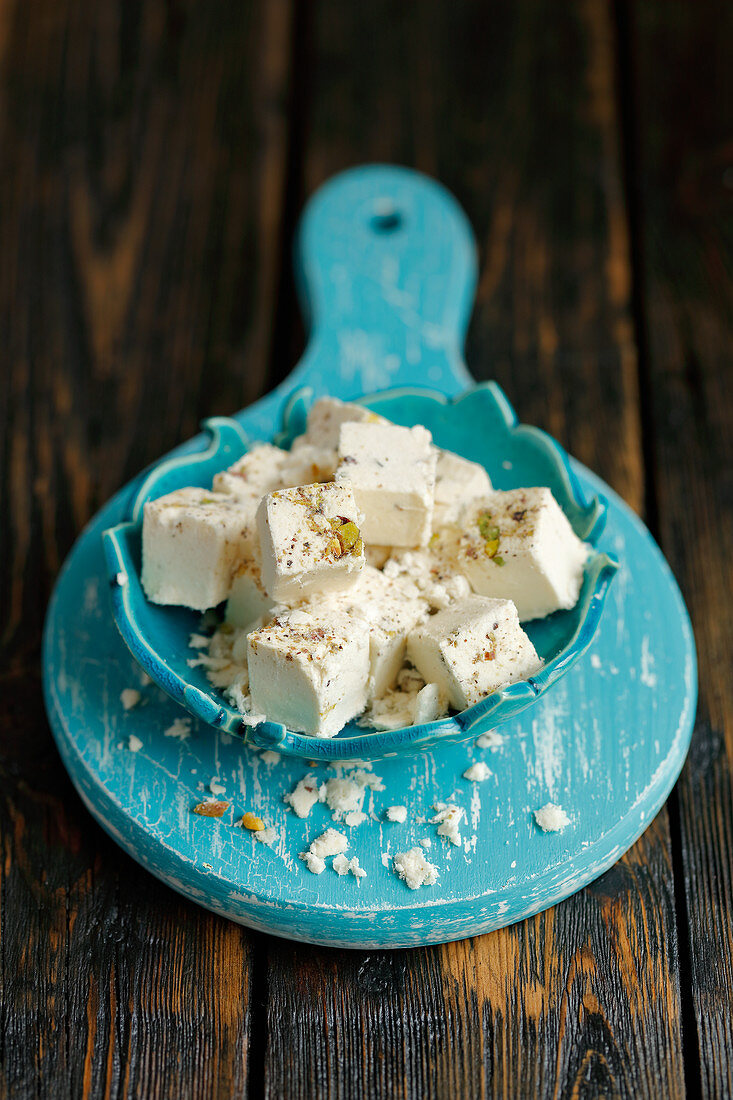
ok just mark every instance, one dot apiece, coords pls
pixel 481 426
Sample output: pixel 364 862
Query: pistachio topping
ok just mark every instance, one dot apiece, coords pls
pixel 490 534
pixel 347 533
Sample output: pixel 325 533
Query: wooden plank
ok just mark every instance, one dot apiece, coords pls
pixel 683 180
pixel 143 151
pixel 518 115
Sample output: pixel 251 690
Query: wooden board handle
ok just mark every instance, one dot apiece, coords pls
pixel 386 263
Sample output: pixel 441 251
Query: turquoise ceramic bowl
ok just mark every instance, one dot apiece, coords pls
pixel 481 426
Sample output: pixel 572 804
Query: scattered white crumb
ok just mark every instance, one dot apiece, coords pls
pixel 490 740
pixel 248 718
pixel 270 757
pixel 426 842
pixel 181 729
pixel 385 859
pixel 144 679
pixel 551 818
pixel 397 813
pixel 304 796
pixel 199 641
pixel 134 743
pixel 267 836
pixel 355 818
pixel 366 779
pixel 342 866
pixel 313 862
pixel 342 796
pixel 513 864
pixel 130 697
pixel 595 660
pixel 448 819
pixel 216 787
pixel 330 843
pixel 478 772
pixel 414 870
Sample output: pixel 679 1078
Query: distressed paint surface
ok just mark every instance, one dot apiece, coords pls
pixel 607 744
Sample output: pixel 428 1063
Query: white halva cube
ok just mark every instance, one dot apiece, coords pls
pixel 519 545
pixel 257 472
pixel 309 673
pixel 193 541
pixel 392 472
pixel 248 601
pixel 310 541
pixel 325 418
pixel 474 647
pixel 388 609
pixel 307 464
pixel 457 482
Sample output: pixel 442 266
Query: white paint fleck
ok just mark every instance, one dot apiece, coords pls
pixel 648 676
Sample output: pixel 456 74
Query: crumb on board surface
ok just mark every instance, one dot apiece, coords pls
pixel 551 818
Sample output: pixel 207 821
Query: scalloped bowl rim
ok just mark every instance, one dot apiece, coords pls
pixel 372 743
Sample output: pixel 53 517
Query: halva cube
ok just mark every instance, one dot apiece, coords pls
pixel 309 673
pixel 457 481
pixel 392 472
pixel 248 601
pixel 306 465
pixel 193 541
pixel 519 545
pixel 325 418
pixel 474 647
pixel 388 609
pixel 310 541
pixel 257 472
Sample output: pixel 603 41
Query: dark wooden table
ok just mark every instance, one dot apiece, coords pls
pixel 153 160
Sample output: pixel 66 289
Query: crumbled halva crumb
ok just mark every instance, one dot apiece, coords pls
pixel 216 787
pixel 397 813
pixel 315 864
pixel 491 740
pixel 551 818
pixel 130 697
pixel 448 819
pixel 477 772
pixel 329 843
pixel 267 836
pixel 180 729
pixel 414 870
pixel 134 743
pixel 343 866
pixel 304 796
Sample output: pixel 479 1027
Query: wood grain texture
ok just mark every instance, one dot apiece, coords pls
pixel 683 175
pixel 144 151
pixel 519 116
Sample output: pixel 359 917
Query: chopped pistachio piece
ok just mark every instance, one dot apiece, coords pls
pixel 211 808
pixel 348 535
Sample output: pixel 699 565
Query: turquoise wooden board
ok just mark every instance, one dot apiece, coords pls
pixel 389 262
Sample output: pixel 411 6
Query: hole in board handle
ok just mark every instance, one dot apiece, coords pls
pixel 386 219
